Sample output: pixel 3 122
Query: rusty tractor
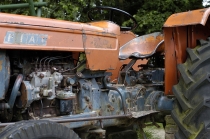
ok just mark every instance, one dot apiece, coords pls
pixel 57 77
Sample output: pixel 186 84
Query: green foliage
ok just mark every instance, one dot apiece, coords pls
pixel 150 14
pixel 153 13
pixel 15 11
pixel 206 3
pixel 70 10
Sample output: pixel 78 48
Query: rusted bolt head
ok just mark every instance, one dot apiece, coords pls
pixel 79 74
pixel 87 98
pixel 41 75
pixel 90 106
pixel 85 87
pixel 50 94
pixel 108 79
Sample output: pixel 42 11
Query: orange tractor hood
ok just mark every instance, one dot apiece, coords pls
pixel 99 40
pixel 21 20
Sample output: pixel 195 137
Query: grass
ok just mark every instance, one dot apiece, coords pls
pixel 152 132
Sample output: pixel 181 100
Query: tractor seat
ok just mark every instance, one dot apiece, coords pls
pixel 142 47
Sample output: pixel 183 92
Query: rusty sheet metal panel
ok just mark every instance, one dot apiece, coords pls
pixel 101 53
pixel 170 61
pixel 188 18
pixel 4 74
pixel 99 40
pixel 175 53
pixel 177 40
pixel 142 46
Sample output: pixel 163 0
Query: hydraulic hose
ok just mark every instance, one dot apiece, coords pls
pixel 15 90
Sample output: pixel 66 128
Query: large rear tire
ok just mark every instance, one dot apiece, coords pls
pixel 192 108
pixel 41 129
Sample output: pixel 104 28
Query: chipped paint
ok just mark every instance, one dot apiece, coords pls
pixel 1 63
pixel 101 43
pixel 194 17
pixel 142 46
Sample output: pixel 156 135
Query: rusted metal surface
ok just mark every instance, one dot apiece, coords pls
pixel 170 61
pixel 4 74
pixel 188 18
pixel 97 39
pixel 143 46
pixel 66 119
pixel 179 36
pixel 90 118
pixel 69 119
pixel 101 52
pixel 142 113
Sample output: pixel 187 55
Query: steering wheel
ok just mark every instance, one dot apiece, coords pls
pixel 112 10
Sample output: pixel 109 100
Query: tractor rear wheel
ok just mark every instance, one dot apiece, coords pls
pixel 192 107
pixel 37 130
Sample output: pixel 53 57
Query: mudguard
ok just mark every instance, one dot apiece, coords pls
pixel 182 31
pixel 188 18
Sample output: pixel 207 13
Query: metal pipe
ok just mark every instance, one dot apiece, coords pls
pixel 31 8
pixel 22 5
pixel 15 89
pixel 63 120
pixel 39 10
pixel 5 124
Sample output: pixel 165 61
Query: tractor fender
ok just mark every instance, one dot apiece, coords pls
pixel 194 17
pixel 142 46
pixel 182 31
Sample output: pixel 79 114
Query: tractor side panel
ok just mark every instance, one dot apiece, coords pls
pixel 101 52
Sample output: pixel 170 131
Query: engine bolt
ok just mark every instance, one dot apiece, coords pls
pixel 108 80
pixel 50 94
pixel 41 76
pixel 79 74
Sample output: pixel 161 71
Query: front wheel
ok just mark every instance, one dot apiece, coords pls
pixel 192 108
pixel 40 129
